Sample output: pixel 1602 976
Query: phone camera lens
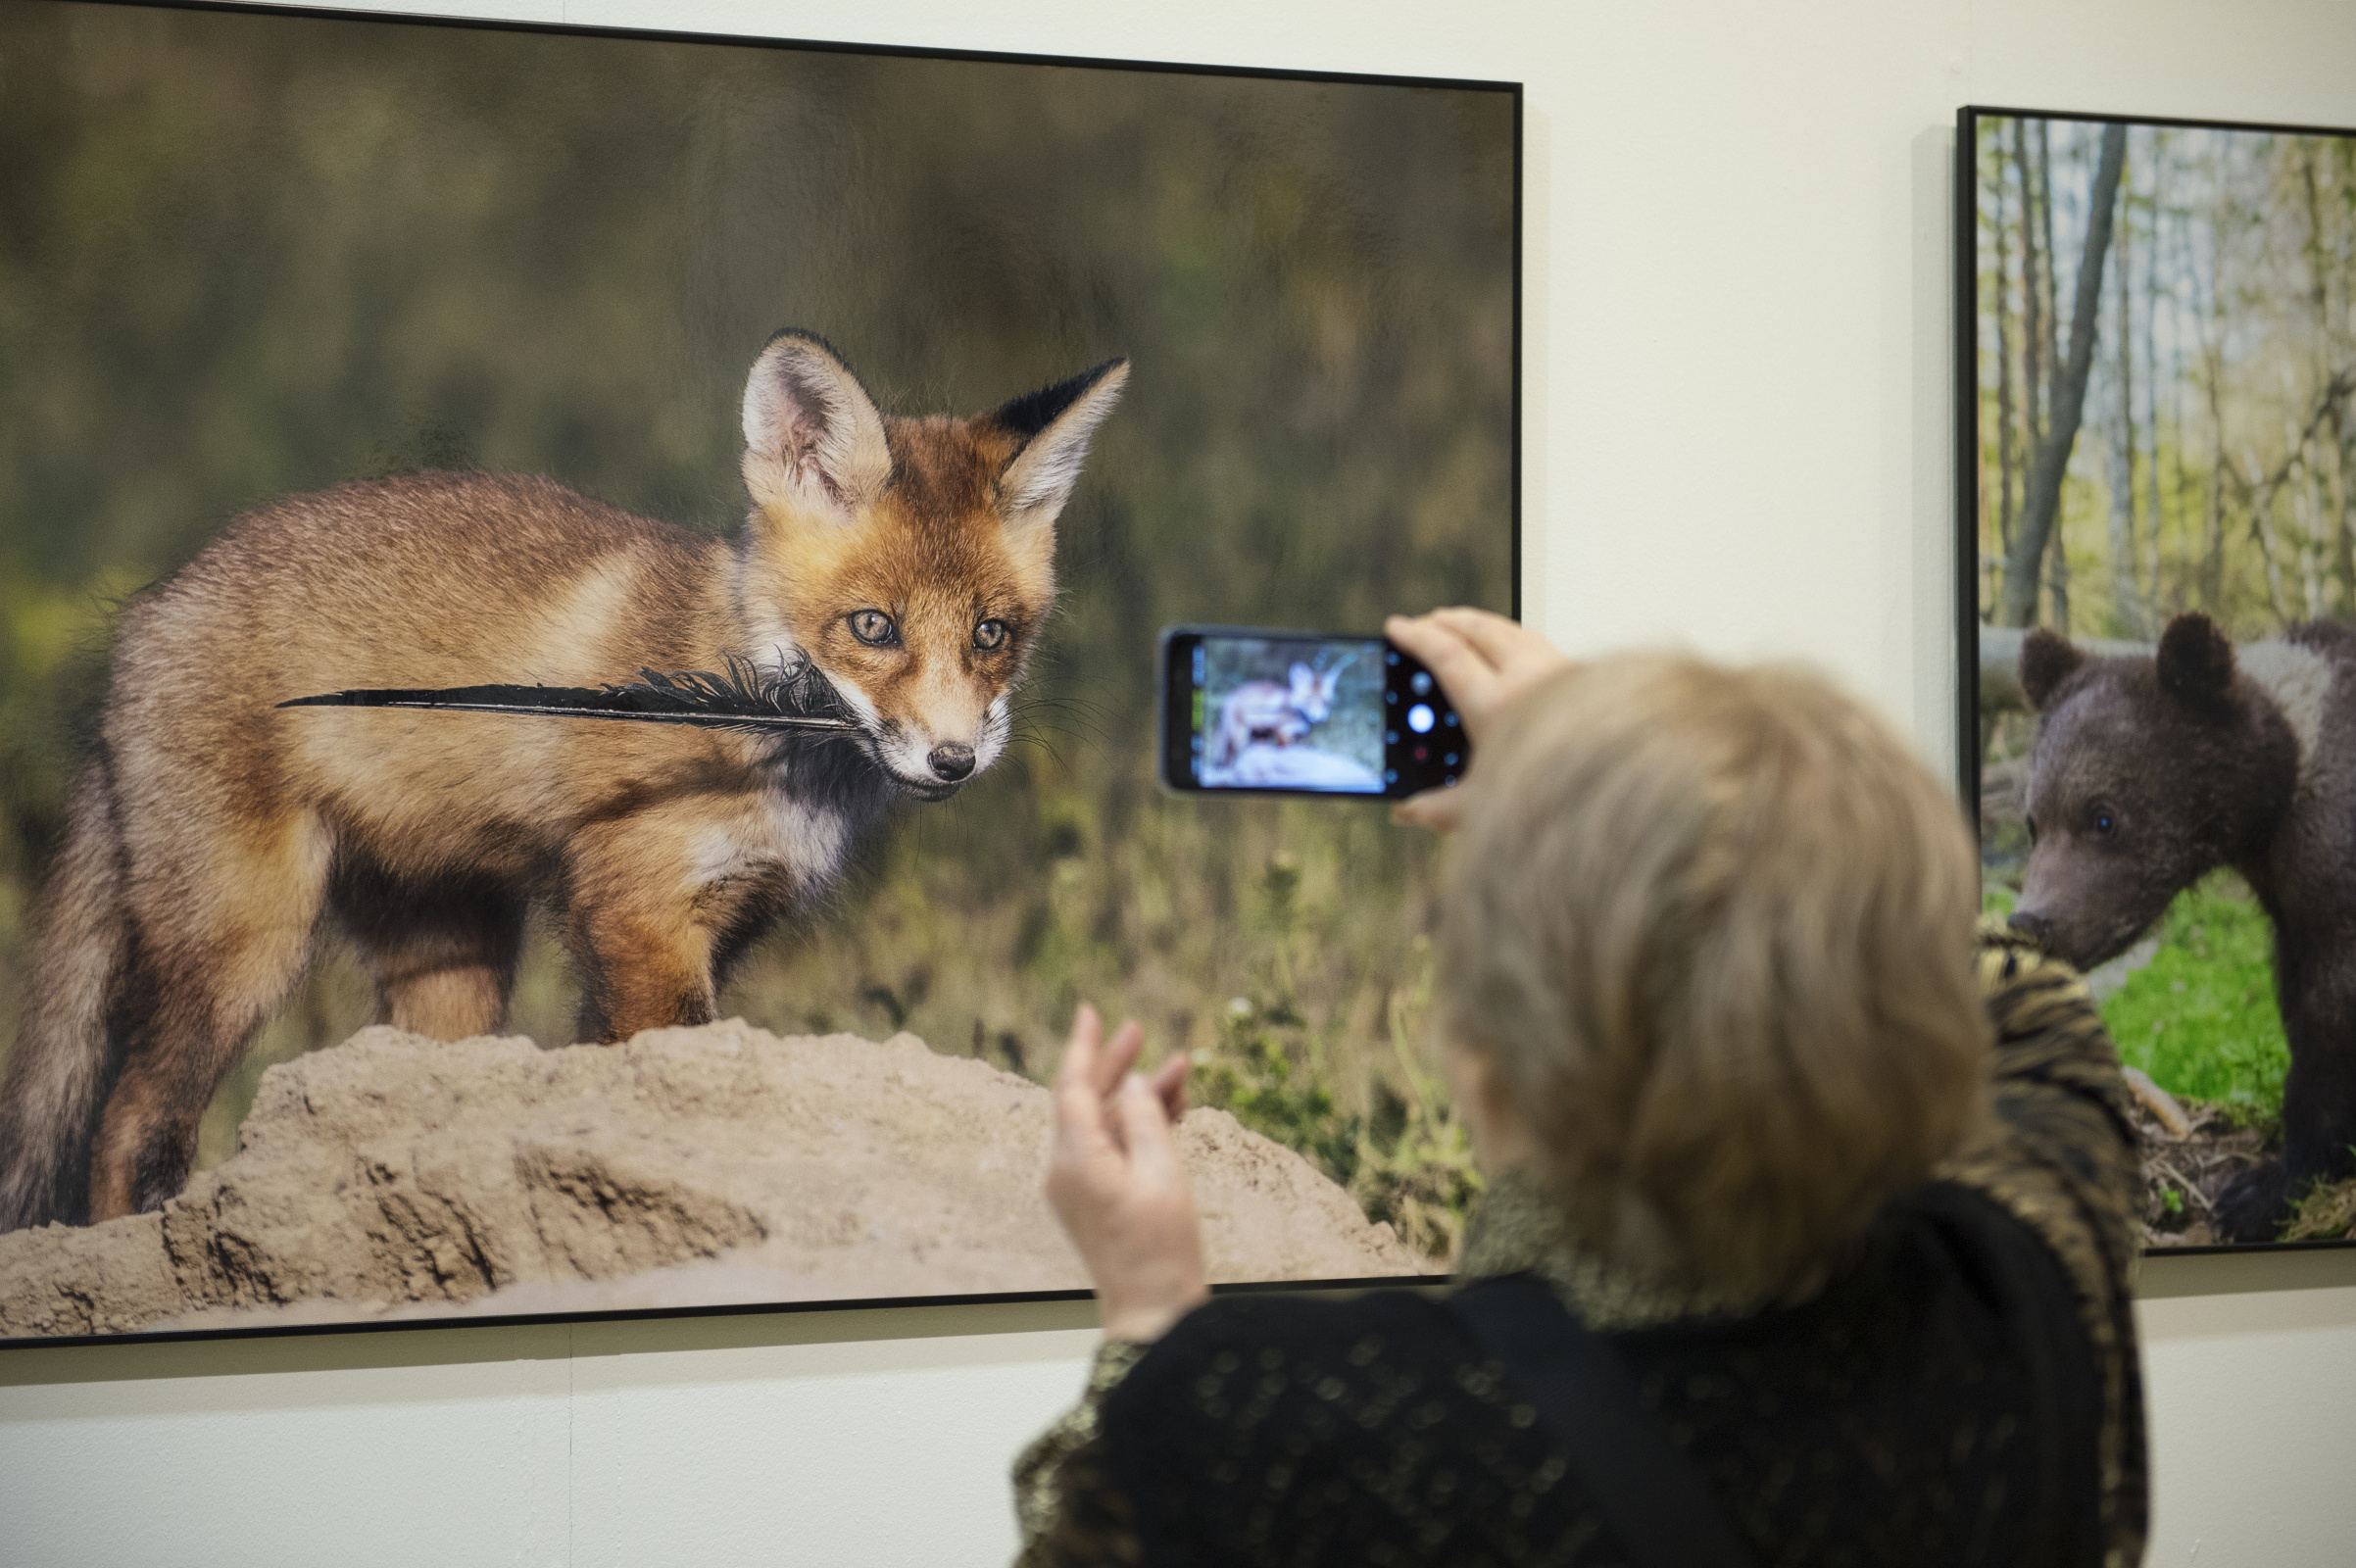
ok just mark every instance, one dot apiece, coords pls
pixel 1420 718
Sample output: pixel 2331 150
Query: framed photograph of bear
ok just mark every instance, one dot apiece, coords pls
pixel 2157 474
pixel 576 705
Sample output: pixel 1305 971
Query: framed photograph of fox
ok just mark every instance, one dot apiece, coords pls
pixel 576 706
pixel 2157 573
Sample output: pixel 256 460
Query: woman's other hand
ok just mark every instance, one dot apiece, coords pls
pixel 1484 661
pixel 1117 1184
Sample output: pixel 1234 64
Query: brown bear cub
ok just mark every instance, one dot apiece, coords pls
pixel 2146 773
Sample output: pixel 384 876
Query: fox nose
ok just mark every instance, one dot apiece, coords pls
pixel 953 762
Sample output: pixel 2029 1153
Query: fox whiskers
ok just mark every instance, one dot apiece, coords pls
pixel 1075 720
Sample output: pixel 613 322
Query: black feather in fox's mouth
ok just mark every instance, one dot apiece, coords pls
pixel 794 700
pixel 793 703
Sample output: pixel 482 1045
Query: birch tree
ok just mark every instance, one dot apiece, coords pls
pixel 2017 603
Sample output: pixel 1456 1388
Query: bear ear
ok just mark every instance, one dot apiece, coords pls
pixel 2196 662
pixel 2046 661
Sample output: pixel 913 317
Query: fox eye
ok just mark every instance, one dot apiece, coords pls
pixel 874 628
pixel 989 635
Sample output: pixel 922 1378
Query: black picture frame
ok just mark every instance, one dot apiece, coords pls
pixel 1510 92
pixel 1969 560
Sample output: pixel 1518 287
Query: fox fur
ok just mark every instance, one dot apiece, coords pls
pixel 213 836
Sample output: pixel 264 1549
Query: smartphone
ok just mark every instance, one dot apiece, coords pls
pixel 1248 710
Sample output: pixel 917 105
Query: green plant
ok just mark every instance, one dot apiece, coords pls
pixel 1400 1149
pixel 1415 1161
pixel 2200 1017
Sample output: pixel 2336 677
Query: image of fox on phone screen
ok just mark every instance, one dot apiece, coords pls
pixel 1290 713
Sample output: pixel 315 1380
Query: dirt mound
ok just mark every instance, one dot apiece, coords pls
pixel 397 1176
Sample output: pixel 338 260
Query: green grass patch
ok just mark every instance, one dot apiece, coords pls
pixel 2201 1017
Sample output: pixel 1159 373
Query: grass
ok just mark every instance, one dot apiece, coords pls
pixel 1403 1153
pixel 2200 1017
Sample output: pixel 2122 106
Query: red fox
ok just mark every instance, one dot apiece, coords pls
pixel 213 835
pixel 1263 711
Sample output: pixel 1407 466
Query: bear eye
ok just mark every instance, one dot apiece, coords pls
pixel 874 628
pixel 2103 821
pixel 2032 823
pixel 989 635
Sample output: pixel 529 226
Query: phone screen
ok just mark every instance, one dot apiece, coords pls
pixel 1246 709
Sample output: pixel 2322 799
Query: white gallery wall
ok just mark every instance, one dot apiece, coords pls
pixel 1737 418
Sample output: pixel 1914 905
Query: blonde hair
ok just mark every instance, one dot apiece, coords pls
pixel 1711 928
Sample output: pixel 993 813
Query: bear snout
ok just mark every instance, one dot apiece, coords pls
pixel 2037 927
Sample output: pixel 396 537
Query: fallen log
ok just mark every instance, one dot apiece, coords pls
pixel 2000 665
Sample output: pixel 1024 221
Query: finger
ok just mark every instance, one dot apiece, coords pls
pixel 1080 1124
pixel 1499 639
pixel 1462 669
pixel 1427 637
pixel 1080 1049
pixel 1168 1084
pixel 1145 1129
pixel 1440 811
pixel 1113 1063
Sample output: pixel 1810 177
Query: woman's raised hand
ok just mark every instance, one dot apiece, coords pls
pixel 1117 1184
pixel 1484 661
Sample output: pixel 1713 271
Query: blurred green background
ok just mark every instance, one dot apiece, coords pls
pixel 245 255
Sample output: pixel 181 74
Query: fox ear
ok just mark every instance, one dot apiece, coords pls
pixel 1055 425
pixel 813 440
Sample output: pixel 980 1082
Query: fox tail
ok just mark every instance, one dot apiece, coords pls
pixel 51 1096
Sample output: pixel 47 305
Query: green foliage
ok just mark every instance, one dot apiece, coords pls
pixel 1402 1152
pixel 2201 1017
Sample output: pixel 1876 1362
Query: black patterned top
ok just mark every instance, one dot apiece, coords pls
pixel 1964 1392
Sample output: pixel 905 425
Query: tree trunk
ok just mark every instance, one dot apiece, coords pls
pixel 2004 411
pixel 2127 598
pixel 2031 336
pixel 2049 281
pixel 2152 599
pixel 2212 358
pixel 2331 476
pixel 2043 507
